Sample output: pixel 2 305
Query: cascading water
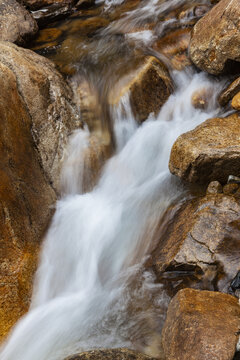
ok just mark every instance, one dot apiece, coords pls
pixel 91 271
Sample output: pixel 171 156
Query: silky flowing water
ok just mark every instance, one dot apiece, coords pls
pixel 91 289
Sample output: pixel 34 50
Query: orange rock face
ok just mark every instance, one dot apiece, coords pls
pixel 25 210
pixel 201 325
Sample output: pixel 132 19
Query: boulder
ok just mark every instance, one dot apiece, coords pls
pixel 49 104
pixel 39 4
pixel 109 354
pixel 228 93
pixel 149 87
pixel 202 252
pixel 201 325
pixel 209 152
pixel 17 25
pixel 26 200
pixel 215 40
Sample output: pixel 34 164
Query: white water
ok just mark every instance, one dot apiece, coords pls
pixel 96 240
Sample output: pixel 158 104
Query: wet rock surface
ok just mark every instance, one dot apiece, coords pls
pixel 202 252
pixel 209 152
pixel 48 101
pixel 109 354
pixel 26 200
pixel 228 93
pixel 215 40
pixel 201 325
pixel 16 24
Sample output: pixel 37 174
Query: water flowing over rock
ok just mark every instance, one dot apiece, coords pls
pixel 215 41
pixel 209 152
pixel 149 87
pixel 26 199
pixel 109 354
pixel 202 252
pixel 48 102
pixel 16 24
pixel 201 325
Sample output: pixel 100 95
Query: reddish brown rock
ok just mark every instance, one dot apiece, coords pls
pixel 109 354
pixel 38 4
pixel 230 189
pixel 16 24
pixel 209 152
pixel 228 93
pixel 215 41
pixel 200 98
pixel 201 325
pixel 26 199
pixel 49 103
pixel 202 252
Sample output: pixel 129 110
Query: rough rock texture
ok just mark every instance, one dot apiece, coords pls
pixel 201 325
pixel 26 199
pixel 16 23
pixel 109 354
pixel 149 87
pixel 216 38
pixel 228 93
pixel 38 4
pixel 202 252
pixel 236 101
pixel 209 152
pixel 214 188
pixel 48 101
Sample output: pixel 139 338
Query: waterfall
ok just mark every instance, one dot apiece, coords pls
pixel 97 241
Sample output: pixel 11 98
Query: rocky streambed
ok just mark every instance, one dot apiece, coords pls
pixel 136 263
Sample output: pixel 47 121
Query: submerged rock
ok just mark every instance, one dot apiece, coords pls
pixel 16 24
pixel 202 252
pixel 26 199
pixel 215 41
pixel 109 354
pixel 48 102
pixel 201 325
pixel 209 152
pixel 149 87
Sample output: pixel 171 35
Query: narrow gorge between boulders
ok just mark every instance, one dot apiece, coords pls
pixel 92 288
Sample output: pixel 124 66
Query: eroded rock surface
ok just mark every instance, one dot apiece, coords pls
pixel 201 325
pixel 48 100
pixel 209 152
pixel 202 252
pixel 26 199
pixel 215 41
pixel 109 354
pixel 16 24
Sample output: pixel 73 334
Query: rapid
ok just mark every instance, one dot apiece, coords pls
pixel 91 289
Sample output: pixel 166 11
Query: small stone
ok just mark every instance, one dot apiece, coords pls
pixel 200 98
pixel 236 101
pixel 214 188
pixel 230 189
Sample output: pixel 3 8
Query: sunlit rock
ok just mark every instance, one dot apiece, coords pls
pixel 209 152
pixel 16 24
pixel 48 101
pixel 200 252
pixel 26 199
pixel 236 101
pixel 109 354
pixel 215 41
pixel 201 325
pixel 149 86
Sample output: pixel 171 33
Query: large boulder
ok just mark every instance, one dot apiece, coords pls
pixel 209 152
pixel 149 85
pixel 201 325
pixel 26 199
pixel 215 41
pixel 202 252
pixel 109 354
pixel 49 104
pixel 16 23
pixel 228 93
